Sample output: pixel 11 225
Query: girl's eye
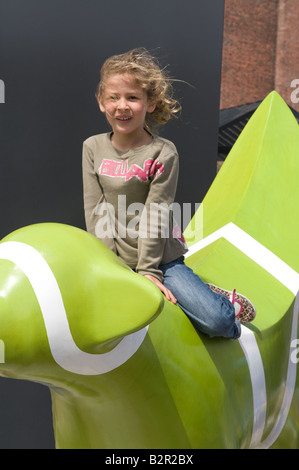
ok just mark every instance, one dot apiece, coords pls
pixel 133 98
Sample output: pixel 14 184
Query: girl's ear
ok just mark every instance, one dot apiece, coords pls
pixel 101 106
pixel 151 107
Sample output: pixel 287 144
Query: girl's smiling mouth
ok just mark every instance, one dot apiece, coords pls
pixel 123 118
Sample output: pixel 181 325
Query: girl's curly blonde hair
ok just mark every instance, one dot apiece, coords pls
pixel 151 77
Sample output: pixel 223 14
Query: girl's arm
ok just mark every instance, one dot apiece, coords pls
pixel 95 205
pixel 153 235
pixel 168 294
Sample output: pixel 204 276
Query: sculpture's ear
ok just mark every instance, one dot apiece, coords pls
pixel 63 287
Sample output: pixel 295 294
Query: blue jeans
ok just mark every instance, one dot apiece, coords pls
pixel 211 313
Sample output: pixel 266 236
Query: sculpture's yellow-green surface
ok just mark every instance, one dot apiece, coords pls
pixel 126 368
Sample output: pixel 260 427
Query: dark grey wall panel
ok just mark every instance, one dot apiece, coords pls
pixel 50 55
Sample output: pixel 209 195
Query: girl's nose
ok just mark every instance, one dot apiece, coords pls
pixel 122 103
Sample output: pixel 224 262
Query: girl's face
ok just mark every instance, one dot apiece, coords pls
pixel 125 104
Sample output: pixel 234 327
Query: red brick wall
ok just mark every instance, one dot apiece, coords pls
pixel 260 50
pixel 287 56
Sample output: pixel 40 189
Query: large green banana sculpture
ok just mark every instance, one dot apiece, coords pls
pixel 125 367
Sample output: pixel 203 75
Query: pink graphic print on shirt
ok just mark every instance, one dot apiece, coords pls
pixel 117 169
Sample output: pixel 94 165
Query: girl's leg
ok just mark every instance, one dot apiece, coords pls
pixel 210 312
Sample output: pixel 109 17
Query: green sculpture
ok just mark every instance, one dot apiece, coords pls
pixel 125 367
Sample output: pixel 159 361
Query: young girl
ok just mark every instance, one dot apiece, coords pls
pixel 132 169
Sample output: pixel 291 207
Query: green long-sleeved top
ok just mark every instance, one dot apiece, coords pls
pixel 128 198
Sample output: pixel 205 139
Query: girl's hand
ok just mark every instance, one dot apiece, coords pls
pixel 163 289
